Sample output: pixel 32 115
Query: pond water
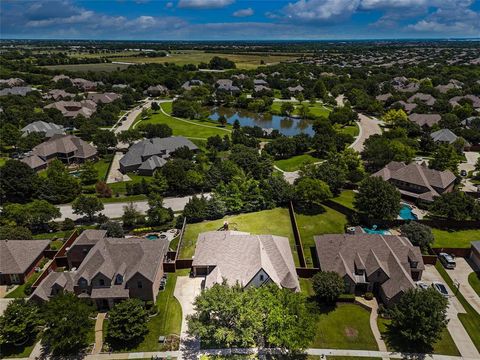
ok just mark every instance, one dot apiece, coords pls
pixel 286 126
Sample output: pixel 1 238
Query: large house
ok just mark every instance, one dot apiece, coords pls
pixel 425 120
pixel 67 148
pixel 114 269
pixel 226 85
pixel 16 90
pixel 72 109
pixel 19 258
pixel 249 260
pixel 47 128
pixel 148 155
pixel 417 181
pixel 103 98
pixel 77 252
pixel 386 265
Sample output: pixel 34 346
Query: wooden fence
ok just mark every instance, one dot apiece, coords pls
pixel 296 236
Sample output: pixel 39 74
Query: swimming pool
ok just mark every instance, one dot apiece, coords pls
pixel 376 231
pixel 406 213
pixel 152 237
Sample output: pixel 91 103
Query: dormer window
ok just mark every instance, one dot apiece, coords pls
pixel 82 283
pixel 413 264
pixel 101 282
pixel 118 279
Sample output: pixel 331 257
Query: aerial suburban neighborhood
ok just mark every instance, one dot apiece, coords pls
pixel 222 180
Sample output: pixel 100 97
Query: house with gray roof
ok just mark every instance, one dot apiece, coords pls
pixel 445 136
pixel 19 258
pixel 296 89
pixel 455 101
pixel 48 128
pixel 103 98
pixel 72 109
pixel 16 90
pixel 77 252
pixel 387 265
pixel 11 82
pixel 226 85
pixel 58 94
pixel 427 99
pixel 408 107
pixel 425 120
pixel 383 97
pixel 417 181
pixel 189 85
pixel 148 155
pixel 113 270
pixel 475 253
pixel 452 85
pixel 246 259
pixel 156 90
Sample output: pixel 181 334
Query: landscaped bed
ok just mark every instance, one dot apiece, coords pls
pixel 347 326
pixel 269 222
pixel 454 239
pixel 329 222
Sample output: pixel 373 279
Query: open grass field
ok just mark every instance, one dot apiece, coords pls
pixel 295 162
pixel 274 222
pixel 346 326
pixel 474 281
pixel 107 67
pixel 445 346
pixel 345 198
pixel 329 222
pixel 471 319
pixel 195 129
pixel 242 61
pixel 454 239
pixel 317 109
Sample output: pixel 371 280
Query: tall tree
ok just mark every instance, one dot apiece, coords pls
pixel 328 286
pixel 19 322
pixel 311 192
pixel 87 205
pixel 104 139
pixel 127 324
pixel 377 199
pixel 445 158
pixel 89 174
pixel 419 234
pixel 18 182
pixel 59 186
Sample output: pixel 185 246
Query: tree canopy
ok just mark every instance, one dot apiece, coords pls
pixel 377 199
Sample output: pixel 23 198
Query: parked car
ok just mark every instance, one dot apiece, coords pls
pixel 447 260
pixel 441 288
pixel 463 173
pixel 421 285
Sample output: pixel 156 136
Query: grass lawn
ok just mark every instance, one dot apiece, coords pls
pixel 19 291
pixel 347 326
pixel 345 198
pixel 454 239
pixel 329 222
pixel 295 162
pixel 471 319
pixel 351 358
pixel 58 234
pixel 316 109
pixel 102 166
pixel 3 160
pixel 274 222
pixel 445 346
pixel 23 351
pixel 168 320
pixel 306 287
pixel 197 129
pixel 350 129
pixel 474 281
pixel 108 67
pixel 120 187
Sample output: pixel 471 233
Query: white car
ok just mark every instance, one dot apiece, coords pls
pixel 441 288
pixel 421 285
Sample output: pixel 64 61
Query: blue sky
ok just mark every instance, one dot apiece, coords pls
pixel 238 19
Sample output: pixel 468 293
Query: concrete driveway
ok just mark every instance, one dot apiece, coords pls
pixel 186 290
pixel 460 274
pixel 457 331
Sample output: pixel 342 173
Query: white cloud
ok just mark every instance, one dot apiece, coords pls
pixel 204 4
pixel 243 12
pixel 320 10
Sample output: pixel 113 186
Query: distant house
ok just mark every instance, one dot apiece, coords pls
pixel 408 107
pixel 295 89
pixel 85 85
pixel 475 253
pixel 425 120
pixel 49 129
pixel 72 109
pixel 417 181
pixel 58 94
pixel 35 162
pixel 12 82
pixel 19 258
pixel 386 265
pixel 260 82
pixel 452 85
pixel 114 269
pixel 16 90
pixel 189 85
pixel 474 99
pixel 226 85
pixel 103 98
pixel 67 148
pixel 57 78
pixel 402 84
pixel 250 260
pixel 260 88
pixel 427 99
pixel 444 136
pixel 383 97
pixel 156 90
pixel 148 155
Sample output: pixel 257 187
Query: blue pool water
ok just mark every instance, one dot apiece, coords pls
pixel 406 213
pixel 152 237
pixel 376 231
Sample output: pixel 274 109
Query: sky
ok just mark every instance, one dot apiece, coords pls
pixel 239 19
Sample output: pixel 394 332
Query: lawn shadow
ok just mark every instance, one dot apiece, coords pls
pixel 310 209
pixel 412 349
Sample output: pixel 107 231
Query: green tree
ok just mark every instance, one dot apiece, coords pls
pixel 131 216
pixel 158 184
pixel 59 187
pixel 287 108
pixel 9 135
pixel 104 139
pixel 127 324
pixel 114 229
pixel 129 136
pixel 156 213
pixel 419 234
pixel 19 322
pixel 455 205
pixel 445 158
pixel 222 120
pixel 312 192
pixel 18 182
pixel 344 115
pixel 395 116
pixel 155 106
pixel 328 286
pixel 320 90
pixel 377 199
pixel 67 324
pixel 155 130
pixel 88 174
pixel 9 232
pixel 419 318
pixel 87 205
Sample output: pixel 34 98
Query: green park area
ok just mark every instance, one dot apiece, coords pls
pixel 454 239
pixel 271 222
pixel 295 162
pixel 315 110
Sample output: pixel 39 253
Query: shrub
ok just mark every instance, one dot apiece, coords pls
pixel 68 224
pixel 328 286
pixel 346 298
pixel 368 296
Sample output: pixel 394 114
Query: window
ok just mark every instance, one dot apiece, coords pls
pixel 261 277
pixel 82 283
pixel 139 284
pixel 101 282
pixel 118 279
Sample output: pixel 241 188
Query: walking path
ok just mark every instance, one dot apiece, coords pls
pixel 97 348
pixel 373 305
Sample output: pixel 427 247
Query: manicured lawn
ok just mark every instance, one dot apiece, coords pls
pixel 445 346
pixel 316 109
pixel 102 166
pixel 295 162
pixel 199 129
pixel 454 239
pixel 271 222
pixel 474 281
pixel 350 129
pixel 329 222
pixel 346 326
pixel 19 292
pixel 471 319
pixel 345 198
pixel 306 286
pixel 120 187
pixel 168 320
pixel 351 358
